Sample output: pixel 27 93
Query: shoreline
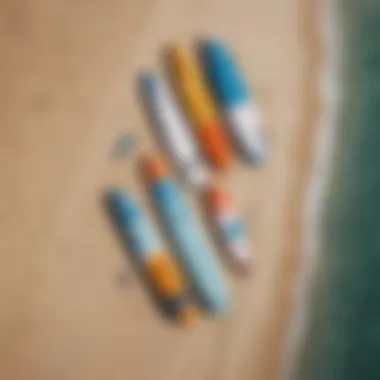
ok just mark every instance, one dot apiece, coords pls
pixel 320 177
pixel 341 340
pixel 307 140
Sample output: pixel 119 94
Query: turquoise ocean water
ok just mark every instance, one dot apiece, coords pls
pixel 342 339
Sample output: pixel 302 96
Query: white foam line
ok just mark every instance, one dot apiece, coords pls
pixel 329 92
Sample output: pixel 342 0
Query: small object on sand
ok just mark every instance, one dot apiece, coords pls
pixel 147 252
pixel 192 248
pixel 124 145
pixel 229 228
pixel 233 93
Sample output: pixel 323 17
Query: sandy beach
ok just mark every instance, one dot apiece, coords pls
pixel 72 307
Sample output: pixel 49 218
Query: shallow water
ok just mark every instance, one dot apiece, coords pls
pixel 342 340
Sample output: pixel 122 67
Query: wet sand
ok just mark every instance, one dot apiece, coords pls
pixel 72 308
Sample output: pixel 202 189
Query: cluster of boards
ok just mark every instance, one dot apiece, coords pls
pixel 213 93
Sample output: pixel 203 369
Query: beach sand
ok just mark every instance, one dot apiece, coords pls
pixel 71 306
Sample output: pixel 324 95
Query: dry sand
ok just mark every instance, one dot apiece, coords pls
pixel 67 74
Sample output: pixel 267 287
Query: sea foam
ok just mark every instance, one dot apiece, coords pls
pixel 321 176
